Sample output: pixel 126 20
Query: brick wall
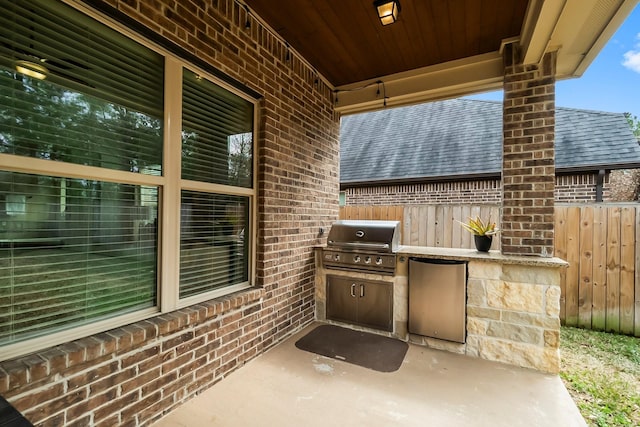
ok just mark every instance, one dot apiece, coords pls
pixel 582 188
pixel 569 188
pixel 528 158
pixel 133 375
pixel 486 191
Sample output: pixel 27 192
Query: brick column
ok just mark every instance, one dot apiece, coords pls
pixel 528 165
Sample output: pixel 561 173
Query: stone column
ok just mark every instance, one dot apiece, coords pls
pixel 528 165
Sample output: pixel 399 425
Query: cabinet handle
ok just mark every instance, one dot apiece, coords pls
pixel 353 290
pixel 361 291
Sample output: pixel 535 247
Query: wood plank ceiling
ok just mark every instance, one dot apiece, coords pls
pixel 345 41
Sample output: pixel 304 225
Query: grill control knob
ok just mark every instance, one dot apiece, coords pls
pixel 367 260
pixel 379 260
pixel 337 257
pixel 356 258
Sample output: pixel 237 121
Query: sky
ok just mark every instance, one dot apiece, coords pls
pixel 612 81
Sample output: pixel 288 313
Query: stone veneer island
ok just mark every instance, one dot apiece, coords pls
pixel 512 308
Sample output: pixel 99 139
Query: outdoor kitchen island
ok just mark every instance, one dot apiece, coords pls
pixel 512 304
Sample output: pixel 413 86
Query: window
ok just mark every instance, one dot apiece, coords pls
pixel 213 251
pixel 85 196
pixel 216 152
pixel 96 261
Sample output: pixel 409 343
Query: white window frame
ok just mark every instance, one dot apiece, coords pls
pixel 169 185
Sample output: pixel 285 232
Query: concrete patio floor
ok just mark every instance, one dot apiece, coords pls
pixel 290 387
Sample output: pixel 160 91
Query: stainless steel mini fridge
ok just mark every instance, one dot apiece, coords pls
pixel 437 298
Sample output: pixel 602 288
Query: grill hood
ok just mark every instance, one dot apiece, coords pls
pixel 356 235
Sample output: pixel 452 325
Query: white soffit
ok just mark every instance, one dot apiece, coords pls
pixel 541 20
pixel 583 29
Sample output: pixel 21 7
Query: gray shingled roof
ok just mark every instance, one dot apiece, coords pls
pixel 463 137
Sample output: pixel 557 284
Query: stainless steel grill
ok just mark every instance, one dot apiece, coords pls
pixel 368 246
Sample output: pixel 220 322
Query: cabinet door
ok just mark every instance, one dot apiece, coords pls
pixel 341 299
pixel 375 305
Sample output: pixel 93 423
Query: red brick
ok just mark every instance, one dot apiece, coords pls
pixel 80 422
pixel 171 362
pixel 16 373
pixel 93 375
pixel 159 382
pixel 37 368
pixel 113 420
pixel 33 399
pixel 52 407
pixel 176 341
pixel 55 421
pixel 4 381
pixel 176 387
pixel 85 407
pixel 111 381
pixel 139 380
pixel 123 339
pixel 130 412
pixel 155 411
pixel 115 406
pixel 139 356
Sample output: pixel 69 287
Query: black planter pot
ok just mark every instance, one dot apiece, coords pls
pixel 483 243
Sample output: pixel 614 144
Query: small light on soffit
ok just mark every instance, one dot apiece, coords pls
pixel 32 69
pixel 388 10
pixel 247 23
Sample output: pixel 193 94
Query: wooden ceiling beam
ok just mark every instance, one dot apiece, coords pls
pixel 540 23
pixel 455 78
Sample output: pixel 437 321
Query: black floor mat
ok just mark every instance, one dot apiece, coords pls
pixel 359 348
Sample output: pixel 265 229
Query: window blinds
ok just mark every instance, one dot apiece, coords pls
pixel 75 251
pixel 72 252
pixel 213 249
pixel 217 134
pixel 100 102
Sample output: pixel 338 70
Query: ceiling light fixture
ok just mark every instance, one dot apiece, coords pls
pixel 247 23
pixel 388 10
pixel 32 69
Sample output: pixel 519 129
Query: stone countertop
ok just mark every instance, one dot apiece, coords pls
pixel 472 254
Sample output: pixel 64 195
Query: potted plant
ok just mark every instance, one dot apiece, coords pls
pixel 482 232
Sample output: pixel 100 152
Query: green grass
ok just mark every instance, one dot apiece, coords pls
pixel 602 373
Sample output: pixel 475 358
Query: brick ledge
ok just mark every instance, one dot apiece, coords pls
pixel 29 369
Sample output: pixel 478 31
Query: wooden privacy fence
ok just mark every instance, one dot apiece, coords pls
pixel 601 287
pixel 429 225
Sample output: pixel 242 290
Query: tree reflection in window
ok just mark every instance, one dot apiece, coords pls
pixel 240 159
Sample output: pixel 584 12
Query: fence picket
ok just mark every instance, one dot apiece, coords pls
pixel 456 231
pixel 423 221
pixel 465 213
pixel 636 311
pixel 439 225
pixel 560 228
pixel 431 225
pixel 585 291
pixel 573 271
pixel 447 222
pixel 613 270
pixel 627 276
pixel 599 279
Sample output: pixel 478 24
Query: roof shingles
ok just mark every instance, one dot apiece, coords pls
pixel 463 137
